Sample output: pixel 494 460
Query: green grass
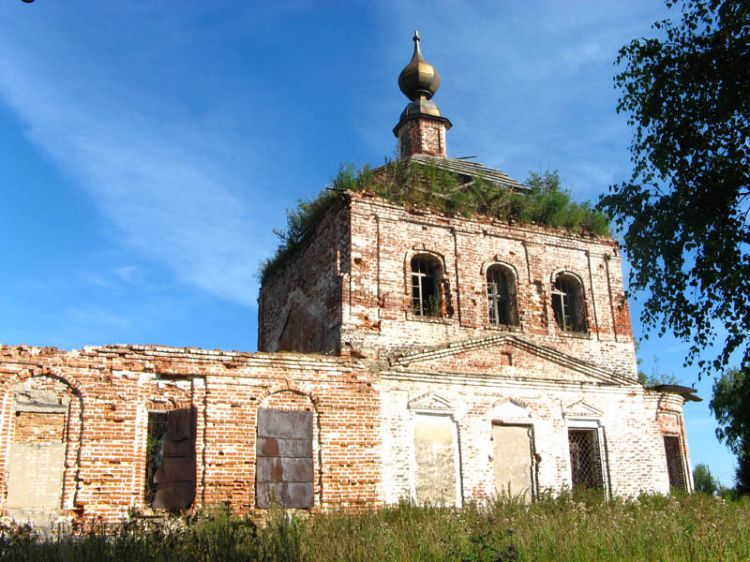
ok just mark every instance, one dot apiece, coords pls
pixel 697 527
pixel 428 187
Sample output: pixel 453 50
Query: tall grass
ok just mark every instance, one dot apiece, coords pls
pixel 567 528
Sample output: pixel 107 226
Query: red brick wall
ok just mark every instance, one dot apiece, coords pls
pixel 422 136
pixel 34 427
pixel 115 386
pixel 377 306
pixel 358 270
pixel 300 305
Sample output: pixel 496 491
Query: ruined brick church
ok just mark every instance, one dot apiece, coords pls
pixel 404 353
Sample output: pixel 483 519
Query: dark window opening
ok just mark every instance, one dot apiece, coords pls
pixel 425 287
pixel 501 296
pixel 284 459
pixel 170 459
pixel 568 304
pixel 157 429
pixel 675 465
pixel 585 458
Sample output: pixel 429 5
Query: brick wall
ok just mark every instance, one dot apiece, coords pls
pixel 377 316
pixel 422 136
pixel 626 418
pixel 114 387
pixel 300 305
pixel 349 289
pixel 348 292
pixel 34 427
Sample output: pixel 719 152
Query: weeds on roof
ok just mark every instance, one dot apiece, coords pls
pixel 422 186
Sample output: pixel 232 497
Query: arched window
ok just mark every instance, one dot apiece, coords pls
pixel 425 286
pixel 568 304
pixel 501 296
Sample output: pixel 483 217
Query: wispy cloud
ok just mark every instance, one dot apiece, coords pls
pixel 153 168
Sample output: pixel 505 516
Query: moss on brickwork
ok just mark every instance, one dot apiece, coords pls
pixel 425 186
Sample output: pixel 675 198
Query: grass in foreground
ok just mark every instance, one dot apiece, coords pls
pixel 697 527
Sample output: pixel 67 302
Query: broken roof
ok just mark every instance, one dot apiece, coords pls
pixel 688 393
pixel 463 167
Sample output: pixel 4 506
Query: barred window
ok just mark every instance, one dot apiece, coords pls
pixel 501 296
pixel 426 275
pixel 675 465
pixel 568 304
pixel 585 458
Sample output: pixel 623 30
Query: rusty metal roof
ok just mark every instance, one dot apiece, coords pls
pixel 471 169
pixel 688 393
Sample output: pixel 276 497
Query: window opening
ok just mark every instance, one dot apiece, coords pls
pixel 157 429
pixel 568 304
pixel 501 296
pixel 425 296
pixel 170 460
pixel 284 459
pixel 585 458
pixel 675 466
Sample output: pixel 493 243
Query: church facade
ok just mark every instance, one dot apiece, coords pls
pixel 404 353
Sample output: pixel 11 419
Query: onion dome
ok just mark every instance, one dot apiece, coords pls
pixel 418 79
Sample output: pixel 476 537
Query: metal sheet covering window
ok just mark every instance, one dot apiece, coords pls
pixel 284 459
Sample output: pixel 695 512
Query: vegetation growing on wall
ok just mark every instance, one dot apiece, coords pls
pixel 429 187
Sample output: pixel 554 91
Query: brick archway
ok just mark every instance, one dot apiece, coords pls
pixel 42 424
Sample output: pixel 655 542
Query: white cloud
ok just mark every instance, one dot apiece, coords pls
pixel 155 175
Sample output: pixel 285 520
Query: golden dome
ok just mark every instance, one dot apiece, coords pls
pixel 418 78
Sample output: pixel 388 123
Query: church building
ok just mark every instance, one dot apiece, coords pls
pixel 405 352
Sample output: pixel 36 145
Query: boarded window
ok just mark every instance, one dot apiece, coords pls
pixel 284 468
pixel 585 458
pixel 513 460
pixel 435 456
pixel 172 463
pixel 675 466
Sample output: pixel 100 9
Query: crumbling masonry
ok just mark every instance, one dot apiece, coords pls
pixel 404 354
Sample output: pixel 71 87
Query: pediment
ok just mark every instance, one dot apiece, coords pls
pixel 505 356
pixel 430 402
pixel 509 410
pixel 581 409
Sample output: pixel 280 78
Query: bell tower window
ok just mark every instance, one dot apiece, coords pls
pixel 501 296
pixel 426 274
pixel 568 304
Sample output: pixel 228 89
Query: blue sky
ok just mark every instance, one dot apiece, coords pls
pixel 148 149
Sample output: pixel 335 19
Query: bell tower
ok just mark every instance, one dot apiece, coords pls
pixel 421 128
